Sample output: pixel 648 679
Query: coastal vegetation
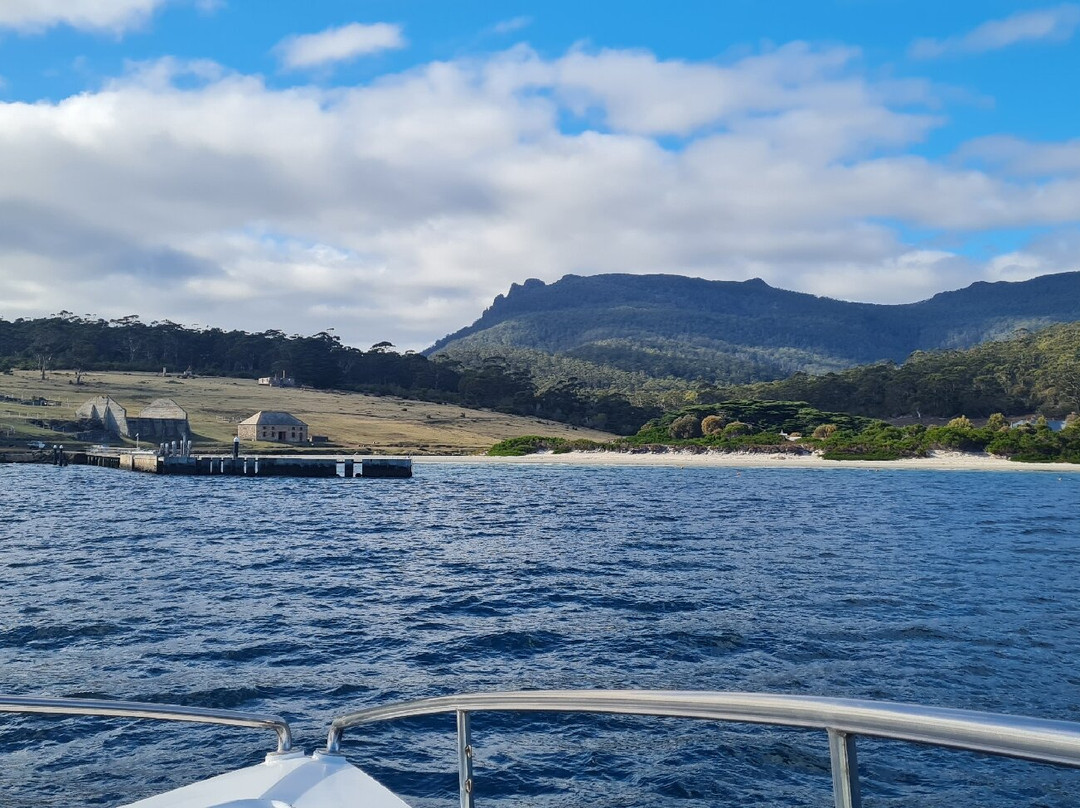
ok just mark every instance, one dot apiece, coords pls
pixel 794 427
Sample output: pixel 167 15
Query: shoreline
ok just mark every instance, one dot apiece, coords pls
pixel 937 461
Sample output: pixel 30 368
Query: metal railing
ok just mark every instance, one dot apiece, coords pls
pixel 159 712
pixel 843 719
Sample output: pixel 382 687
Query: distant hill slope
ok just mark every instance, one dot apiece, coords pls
pixel 1037 372
pixel 669 326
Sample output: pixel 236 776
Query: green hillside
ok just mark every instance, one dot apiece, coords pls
pixel 320 361
pixel 614 331
pixel 1031 372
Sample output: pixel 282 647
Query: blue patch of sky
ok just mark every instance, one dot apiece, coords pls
pixel 978 246
pixel 573 123
pixel 1023 90
pixel 912 236
pixel 985 245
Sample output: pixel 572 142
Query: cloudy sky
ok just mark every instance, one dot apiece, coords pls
pixel 385 168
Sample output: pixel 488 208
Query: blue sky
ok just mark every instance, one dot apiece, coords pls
pixel 386 168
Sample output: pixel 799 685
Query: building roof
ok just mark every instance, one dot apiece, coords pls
pixel 86 410
pixel 164 408
pixel 271 418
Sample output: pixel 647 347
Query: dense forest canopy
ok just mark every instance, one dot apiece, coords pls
pixel 1031 372
pixel 319 361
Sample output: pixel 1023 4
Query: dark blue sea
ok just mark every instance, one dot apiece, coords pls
pixel 311 598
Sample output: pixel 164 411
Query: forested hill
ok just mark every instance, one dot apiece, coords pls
pixel 1036 372
pixel 732 332
pixel 320 361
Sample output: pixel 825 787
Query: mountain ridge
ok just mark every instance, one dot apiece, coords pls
pixel 736 331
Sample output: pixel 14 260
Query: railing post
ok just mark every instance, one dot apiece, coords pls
pixel 465 759
pixel 845 770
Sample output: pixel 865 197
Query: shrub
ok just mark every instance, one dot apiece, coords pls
pixel 997 422
pixel 684 427
pixel 957 439
pixel 1029 445
pixel 737 428
pixel 824 431
pixel 713 424
pixel 960 422
pixel 865 453
pixel 526 444
pixel 579 445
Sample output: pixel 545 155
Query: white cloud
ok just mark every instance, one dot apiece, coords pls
pixel 1055 24
pixel 633 91
pixel 904 277
pixel 1055 252
pixel 398 210
pixel 511 25
pixel 1024 158
pixel 96 15
pixel 338 44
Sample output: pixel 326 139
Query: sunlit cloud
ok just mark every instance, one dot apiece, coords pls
pixel 34 16
pixel 511 25
pixel 1057 24
pixel 398 209
pixel 338 44
pixel 1020 157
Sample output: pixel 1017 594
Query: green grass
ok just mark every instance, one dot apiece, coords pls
pixel 353 422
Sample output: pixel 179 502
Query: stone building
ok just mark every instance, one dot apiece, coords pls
pixel 108 413
pixel 162 420
pixel 280 427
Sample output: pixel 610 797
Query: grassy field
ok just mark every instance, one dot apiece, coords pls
pixel 352 421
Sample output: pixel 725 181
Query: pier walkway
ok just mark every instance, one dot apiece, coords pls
pixel 248 466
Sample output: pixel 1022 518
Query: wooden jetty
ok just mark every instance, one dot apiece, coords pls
pixel 249 466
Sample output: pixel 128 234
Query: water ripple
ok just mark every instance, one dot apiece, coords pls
pixel 309 599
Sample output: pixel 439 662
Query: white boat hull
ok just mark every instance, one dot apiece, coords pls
pixel 290 780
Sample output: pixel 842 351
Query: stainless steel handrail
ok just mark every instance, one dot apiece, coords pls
pixel 1011 736
pixel 160 712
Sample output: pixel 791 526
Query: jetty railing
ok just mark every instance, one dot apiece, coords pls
pixel 158 712
pixel 843 720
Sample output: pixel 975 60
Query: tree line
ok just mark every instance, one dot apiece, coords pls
pixel 1028 373
pixel 320 361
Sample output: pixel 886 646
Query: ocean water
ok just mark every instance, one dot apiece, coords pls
pixel 311 598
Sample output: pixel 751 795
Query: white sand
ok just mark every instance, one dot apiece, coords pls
pixel 938 461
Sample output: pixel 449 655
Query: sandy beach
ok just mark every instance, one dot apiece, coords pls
pixel 938 461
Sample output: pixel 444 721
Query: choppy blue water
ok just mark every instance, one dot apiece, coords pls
pixel 310 598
